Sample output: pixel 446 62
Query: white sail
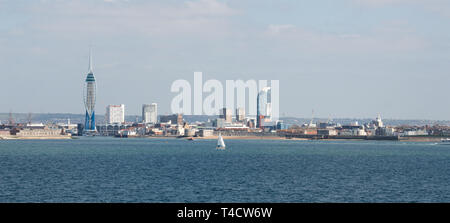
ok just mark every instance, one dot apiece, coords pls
pixel 220 142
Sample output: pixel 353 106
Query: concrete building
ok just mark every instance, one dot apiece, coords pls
pixel 226 114
pixel 190 132
pixel 385 131
pixel 280 125
pixel 115 114
pixel 38 132
pixel 180 130
pixel 111 129
pixel 413 132
pixel 5 132
pixel 327 132
pixel 378 122
pixel 150 113
pixel 206 132
pixel 219 123
pixel 352 132
pixel 240 114
pixel 176 119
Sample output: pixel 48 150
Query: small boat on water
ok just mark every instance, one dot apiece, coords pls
pixel 220 143
pixel 445 141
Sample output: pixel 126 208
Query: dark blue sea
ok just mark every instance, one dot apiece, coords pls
pixel 102 169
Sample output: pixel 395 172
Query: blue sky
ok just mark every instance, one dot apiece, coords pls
pixel 349 58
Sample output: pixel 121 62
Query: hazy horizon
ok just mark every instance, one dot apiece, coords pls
pixel 24 116
pixel 350 58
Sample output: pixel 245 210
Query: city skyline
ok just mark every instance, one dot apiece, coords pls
pixel 356 58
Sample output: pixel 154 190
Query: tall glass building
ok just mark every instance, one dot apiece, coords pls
pixel 264 106
pixel 90 88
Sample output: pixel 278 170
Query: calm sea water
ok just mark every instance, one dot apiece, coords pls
pixel 176 170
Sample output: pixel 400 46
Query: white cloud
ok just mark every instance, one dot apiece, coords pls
pixel 208 7
pixel 277 29
pixel 202 17
pixel 386 38
pixel 438 6
pixel 349 36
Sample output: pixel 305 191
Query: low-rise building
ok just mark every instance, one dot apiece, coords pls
pixel 385 131
pixel 205 132
pixel 327 132
pixel 111 129
pixel 189 132
pixel 38 132
pixel 413 132
pixel 5 132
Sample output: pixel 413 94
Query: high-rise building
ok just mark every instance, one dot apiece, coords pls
pixel 240 114
pixel 226 114
pixel 90 89
pixel 115 114
pixel 150 113
pixel 264 106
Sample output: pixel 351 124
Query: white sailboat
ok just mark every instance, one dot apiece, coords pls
pixel 220 142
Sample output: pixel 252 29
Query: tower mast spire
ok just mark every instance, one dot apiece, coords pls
pixel 90 60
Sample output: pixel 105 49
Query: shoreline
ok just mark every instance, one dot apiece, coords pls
pixel 226 137
pixel 404 139
pixel 250 138
pixel 35 137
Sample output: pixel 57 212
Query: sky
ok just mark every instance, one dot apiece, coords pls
pixel 347 58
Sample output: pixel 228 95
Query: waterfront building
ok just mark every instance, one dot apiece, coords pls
pixel 372 130
pixel 240 114
pixel 176 119
pixel 179 130
pixel 352 130
pixel 150 113
pixel 4 133
pixel 35 126
pixel 38 132
pixel 226 114
pixel 385 131
pixel 326 125
pixel 413 132
pixel 115 114
pixel 112 129
pixel 190 132
pixel 90 89
pixel 251 123
pixel 280 125
pixel 264 107
pixel 327 132
pixel 206 132
pixel 219 123
pixel 378 122
pixel 68 125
